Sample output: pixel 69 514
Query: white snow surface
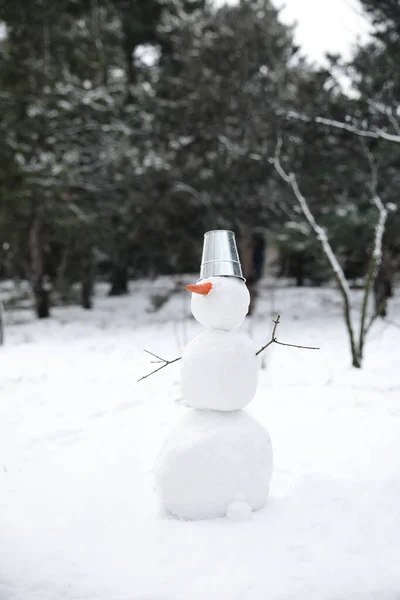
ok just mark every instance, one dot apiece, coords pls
pixel 225 306
pixel 219 370
pixel 79 515
pixel 209 459
pixel 239 510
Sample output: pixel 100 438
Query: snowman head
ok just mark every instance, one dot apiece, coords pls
pixel 220 302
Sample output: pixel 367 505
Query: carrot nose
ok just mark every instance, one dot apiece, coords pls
pixel 200 288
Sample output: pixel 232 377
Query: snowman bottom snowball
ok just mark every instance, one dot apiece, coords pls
pixel 212 459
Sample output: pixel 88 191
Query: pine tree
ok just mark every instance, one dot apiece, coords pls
pixel 60 90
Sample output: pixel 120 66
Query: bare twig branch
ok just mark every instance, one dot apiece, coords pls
pixel 393 121
pixel 296 346
pixel 155 356
pixel 373 185
pixel 376 257
pixel 357 347
pixel 371 322
pixel 290 179
pixel 274 340
pixel 379 229
pixel 163 360
pixel 369 133
pixel 387 111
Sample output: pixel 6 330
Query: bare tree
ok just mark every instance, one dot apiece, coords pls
pixel 357 343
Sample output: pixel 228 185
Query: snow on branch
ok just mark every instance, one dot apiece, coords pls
pixel 373 270
pixel 369 133
pixel 382 217
pixel 379 230
pixel 357 346
pixel 290 178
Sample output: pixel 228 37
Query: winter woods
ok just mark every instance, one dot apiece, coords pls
pixel 131 128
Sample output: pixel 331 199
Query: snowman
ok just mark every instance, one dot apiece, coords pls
pixel 218 460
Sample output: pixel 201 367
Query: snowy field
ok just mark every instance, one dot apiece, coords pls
pixel 79 516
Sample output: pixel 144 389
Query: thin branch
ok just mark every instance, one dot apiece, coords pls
pixel 166 363
pixel 290 178
pixel 369 133
pixel 387 111
pixel 373 186
pixel 154 355
pixel 321 234
pixel 393 121
pixel 376 257
pixel 296 346
pixel 380 229
pixel 274 340
pixel 371 322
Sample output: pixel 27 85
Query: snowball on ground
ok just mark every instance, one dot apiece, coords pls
pixel 225 306
pixel 209 460
pixel 219 371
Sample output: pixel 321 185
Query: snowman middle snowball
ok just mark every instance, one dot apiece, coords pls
pixel 219 366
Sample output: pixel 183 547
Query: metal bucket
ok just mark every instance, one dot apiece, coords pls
pixel 220 255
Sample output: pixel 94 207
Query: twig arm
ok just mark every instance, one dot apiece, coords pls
pixel 166 363
pixel 274 340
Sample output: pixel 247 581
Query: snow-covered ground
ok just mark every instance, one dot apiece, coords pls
pixel 79 516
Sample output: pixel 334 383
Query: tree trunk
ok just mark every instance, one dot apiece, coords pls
pixel 356 359
pixel 246 258
pixel 87 295
pixel 87 282
pixel 41 293
pixel 383 286
pixel 119 267
pixel 119 280
pixel 119 257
